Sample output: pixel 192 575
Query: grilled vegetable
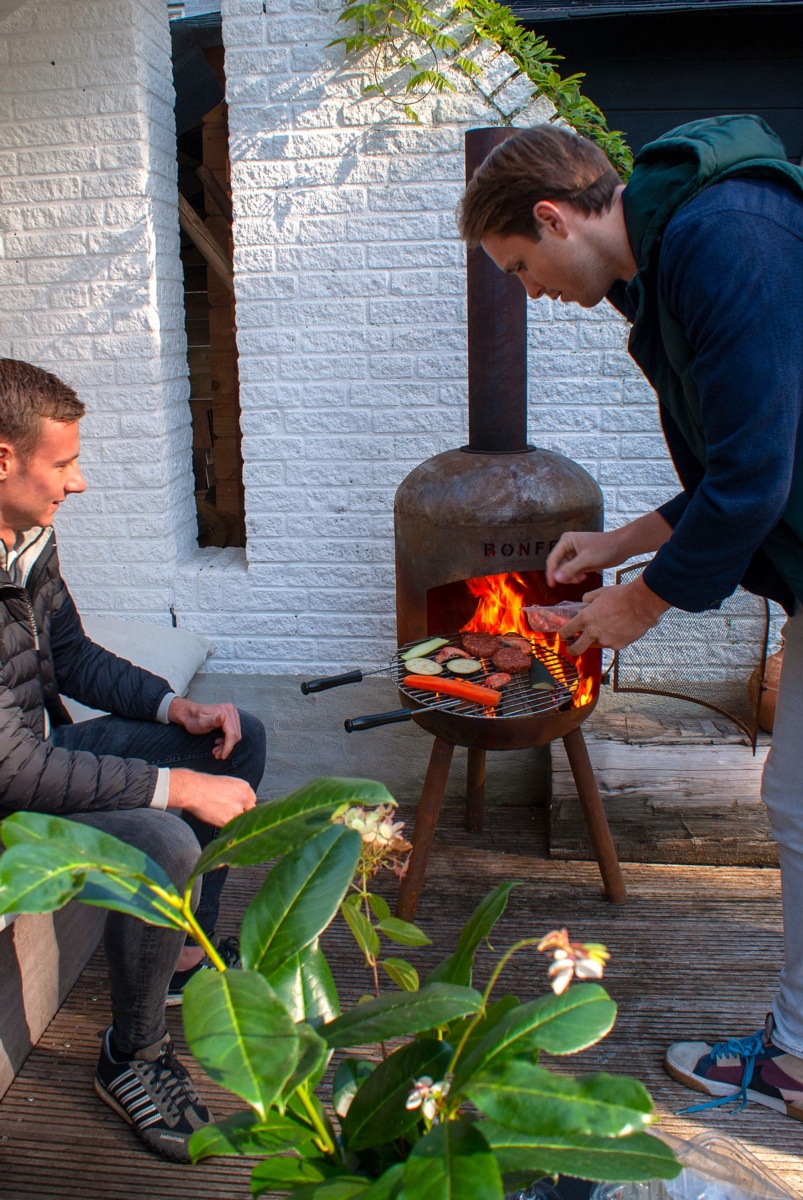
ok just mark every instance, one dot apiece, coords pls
pixel 464 666
pixel 424 666
pixel 541 679
pixel 422 649
pixel 454 687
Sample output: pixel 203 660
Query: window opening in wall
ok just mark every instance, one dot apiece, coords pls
pixel 205 219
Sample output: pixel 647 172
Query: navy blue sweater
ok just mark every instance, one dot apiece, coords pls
pixel 731 274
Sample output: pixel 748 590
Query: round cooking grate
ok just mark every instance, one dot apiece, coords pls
pixel 518 698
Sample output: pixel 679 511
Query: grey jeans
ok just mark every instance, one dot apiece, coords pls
pixel 141 957
pixel 782 792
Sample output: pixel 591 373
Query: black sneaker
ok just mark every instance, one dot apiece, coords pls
pixel 153 1093
pixel 228 949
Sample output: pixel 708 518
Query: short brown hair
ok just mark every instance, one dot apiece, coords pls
pixel 27 396
pixel 542 163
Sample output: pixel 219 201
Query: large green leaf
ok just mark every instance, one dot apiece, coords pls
pixel 458 967
pixel 313 1059
pixel 298 899
pixel 460 964
pixel 241 1035
pixel 244 1133
pixel 401 1013
pixel 350 1074
pixel 387 1186
pixel 378 1113
pixel 305 986
pixel 35 879
pixel 50 859
pixel 535 1101
pixel 286 1171
pixel 346 1187
pixel 453 1162
pixel 637 1157
pixel 558 1024
pixel 278 826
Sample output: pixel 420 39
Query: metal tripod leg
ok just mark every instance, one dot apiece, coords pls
pixel 426 822
pixel 475 790
pixel 597 822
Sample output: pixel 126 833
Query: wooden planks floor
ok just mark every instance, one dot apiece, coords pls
pixel 695 954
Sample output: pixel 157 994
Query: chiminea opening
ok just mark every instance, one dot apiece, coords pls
pixel 496 604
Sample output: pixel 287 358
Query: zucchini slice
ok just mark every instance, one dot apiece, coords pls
pixel 424 666
pixel 422 649
pixel 464 666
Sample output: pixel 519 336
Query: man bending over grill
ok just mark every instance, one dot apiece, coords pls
pixel 161 773
pixel 702 252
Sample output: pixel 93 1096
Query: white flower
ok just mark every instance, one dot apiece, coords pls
pixel 427 1096
pixel 586 960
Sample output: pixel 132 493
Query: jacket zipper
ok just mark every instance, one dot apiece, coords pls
pixel 32 615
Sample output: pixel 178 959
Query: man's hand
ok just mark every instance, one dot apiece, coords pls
pixel 203 718
pixel 578 553
pixel 615 617
pixel 214 799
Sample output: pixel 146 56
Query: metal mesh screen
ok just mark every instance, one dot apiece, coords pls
pixel 706 657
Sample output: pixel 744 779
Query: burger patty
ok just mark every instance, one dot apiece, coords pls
pixel 481 645
pixel 512 660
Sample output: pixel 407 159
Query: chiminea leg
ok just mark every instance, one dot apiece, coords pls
pixel 597 822
pixel 426 822
pixel 475 790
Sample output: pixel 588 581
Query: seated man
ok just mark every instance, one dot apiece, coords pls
pixel 161 773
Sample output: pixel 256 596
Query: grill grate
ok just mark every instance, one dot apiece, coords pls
pixel 518 698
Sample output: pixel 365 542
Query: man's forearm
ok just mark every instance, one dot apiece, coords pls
pixel 645 535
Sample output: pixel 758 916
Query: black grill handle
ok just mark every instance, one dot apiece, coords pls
pixel 330 681
pixel 355 724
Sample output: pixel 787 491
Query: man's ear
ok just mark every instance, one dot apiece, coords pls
pixel 6 458
pixel 550 214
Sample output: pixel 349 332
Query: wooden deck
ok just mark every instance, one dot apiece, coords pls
pixel 695 954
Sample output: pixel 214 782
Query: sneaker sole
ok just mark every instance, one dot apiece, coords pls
pixel 710 1087
pixel 166 1151
pixel 175 1000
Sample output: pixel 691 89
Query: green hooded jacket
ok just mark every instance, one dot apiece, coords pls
pixel 668 173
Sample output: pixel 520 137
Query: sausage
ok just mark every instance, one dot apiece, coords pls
pixel 450 652
pixel 512 660
pixel 482 645
pixel 498 680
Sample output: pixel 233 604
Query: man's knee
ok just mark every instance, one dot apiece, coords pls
pixel 248 756
pixel 169 841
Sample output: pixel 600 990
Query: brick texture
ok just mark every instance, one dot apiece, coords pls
pixel 91 279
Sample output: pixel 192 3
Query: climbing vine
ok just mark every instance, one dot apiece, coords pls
pixel 416 48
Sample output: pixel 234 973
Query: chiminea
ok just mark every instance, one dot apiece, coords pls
pixel 481 521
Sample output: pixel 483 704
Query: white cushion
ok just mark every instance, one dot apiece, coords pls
pixel 175 654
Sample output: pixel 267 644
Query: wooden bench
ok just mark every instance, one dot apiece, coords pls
pixel 41 957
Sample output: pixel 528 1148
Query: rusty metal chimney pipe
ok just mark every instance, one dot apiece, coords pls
pixel 497 336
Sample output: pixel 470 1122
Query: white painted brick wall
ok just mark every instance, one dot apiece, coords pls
pixel 91 281
pixel 350 285
pixel 351 317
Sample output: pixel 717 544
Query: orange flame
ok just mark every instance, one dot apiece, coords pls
pixel 501 600
pixel 500 605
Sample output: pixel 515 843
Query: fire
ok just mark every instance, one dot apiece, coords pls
pixel 501 600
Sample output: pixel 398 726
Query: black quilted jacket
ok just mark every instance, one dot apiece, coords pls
pixel 43 652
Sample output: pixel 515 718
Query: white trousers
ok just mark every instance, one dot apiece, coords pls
pixel 782 792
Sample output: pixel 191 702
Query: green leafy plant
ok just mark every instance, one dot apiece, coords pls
pixel 460 1107
pixel 423 46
